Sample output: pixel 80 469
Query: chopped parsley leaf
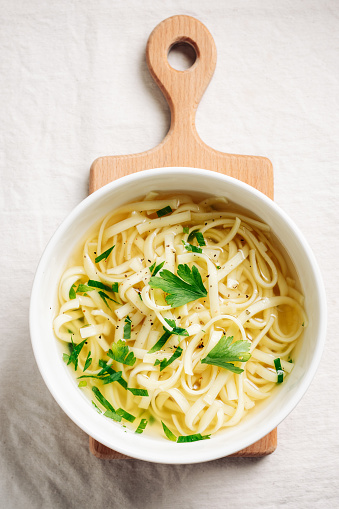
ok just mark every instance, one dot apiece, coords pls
pixel 166 362
pixel 167 334
pixel 88 361
pixel 195 234
pixel 75 351
pixel 104 255
pixel 157 268
pixel 96 407
pixel 113 415
pixel 127 328
pixel 192 438
pixel 106 404
pixel 83 383
pixel 115 287
pixel 225 353
pixel 125 415
pixel 120 353
pixel 164 211
pixel 98 284
pixel 168 432
pixel 138 392
pixel 186 287
pixel 185 229
pixel 191 248
pixel 279 370
pixel 142 426
pixel 72 295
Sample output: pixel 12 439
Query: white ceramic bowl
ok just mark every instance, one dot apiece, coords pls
pixel 57 375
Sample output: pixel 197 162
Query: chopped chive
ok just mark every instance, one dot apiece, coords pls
pixel 112 415
pixel 192 438
pixel 164 211
pixel 88 361
pixel 72 294
pixel 279 370
pixel 185 229
pixel 83 383
pixel 115 287
pixel 191 248
pixel 138 392
pixel 104 255
pixel 168 433
pixel 125 415
pixel 142 426
pixel 127 328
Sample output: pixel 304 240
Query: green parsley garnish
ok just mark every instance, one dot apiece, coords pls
pixel 155 269
pixel 104 255
pixel 218 267
pixel 225 352
pixel 98 284
pixel 113 415
pixel 83 383
pixel 106 404
pixel 195 234
pixel 115 287
pixel 168 433
pixel 73 356
pixel 84 288
pixel 191 248
pixel 72 295
pixel 186 287
pixel 185 229
pixel 96 407
pixel 125 415
pixel 120 353
pixel 166 362
pixel 142 426
pixel 167 334
pixel 88 361
pixel 182 439
pixel 138 392
pixel 164 211
pixel 192 438
pixel 303 324
pixel 279 370
pixel 127 328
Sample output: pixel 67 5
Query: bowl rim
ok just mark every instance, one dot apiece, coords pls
pixel 193 451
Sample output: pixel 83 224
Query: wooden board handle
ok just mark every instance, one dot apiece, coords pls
pixel 182 89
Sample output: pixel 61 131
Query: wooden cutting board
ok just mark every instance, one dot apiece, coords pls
pixel 182 145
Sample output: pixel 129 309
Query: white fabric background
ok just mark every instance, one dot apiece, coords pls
pixel 75 86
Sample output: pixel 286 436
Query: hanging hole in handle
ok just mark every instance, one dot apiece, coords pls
pixel 181 56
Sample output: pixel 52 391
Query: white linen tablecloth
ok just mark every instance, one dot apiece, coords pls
pixel 75 86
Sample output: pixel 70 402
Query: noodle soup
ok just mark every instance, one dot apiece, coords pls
pixel 179 314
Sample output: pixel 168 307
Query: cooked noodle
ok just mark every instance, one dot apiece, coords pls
pixel 251 297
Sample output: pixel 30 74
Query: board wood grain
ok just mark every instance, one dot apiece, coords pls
pixel 182 146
